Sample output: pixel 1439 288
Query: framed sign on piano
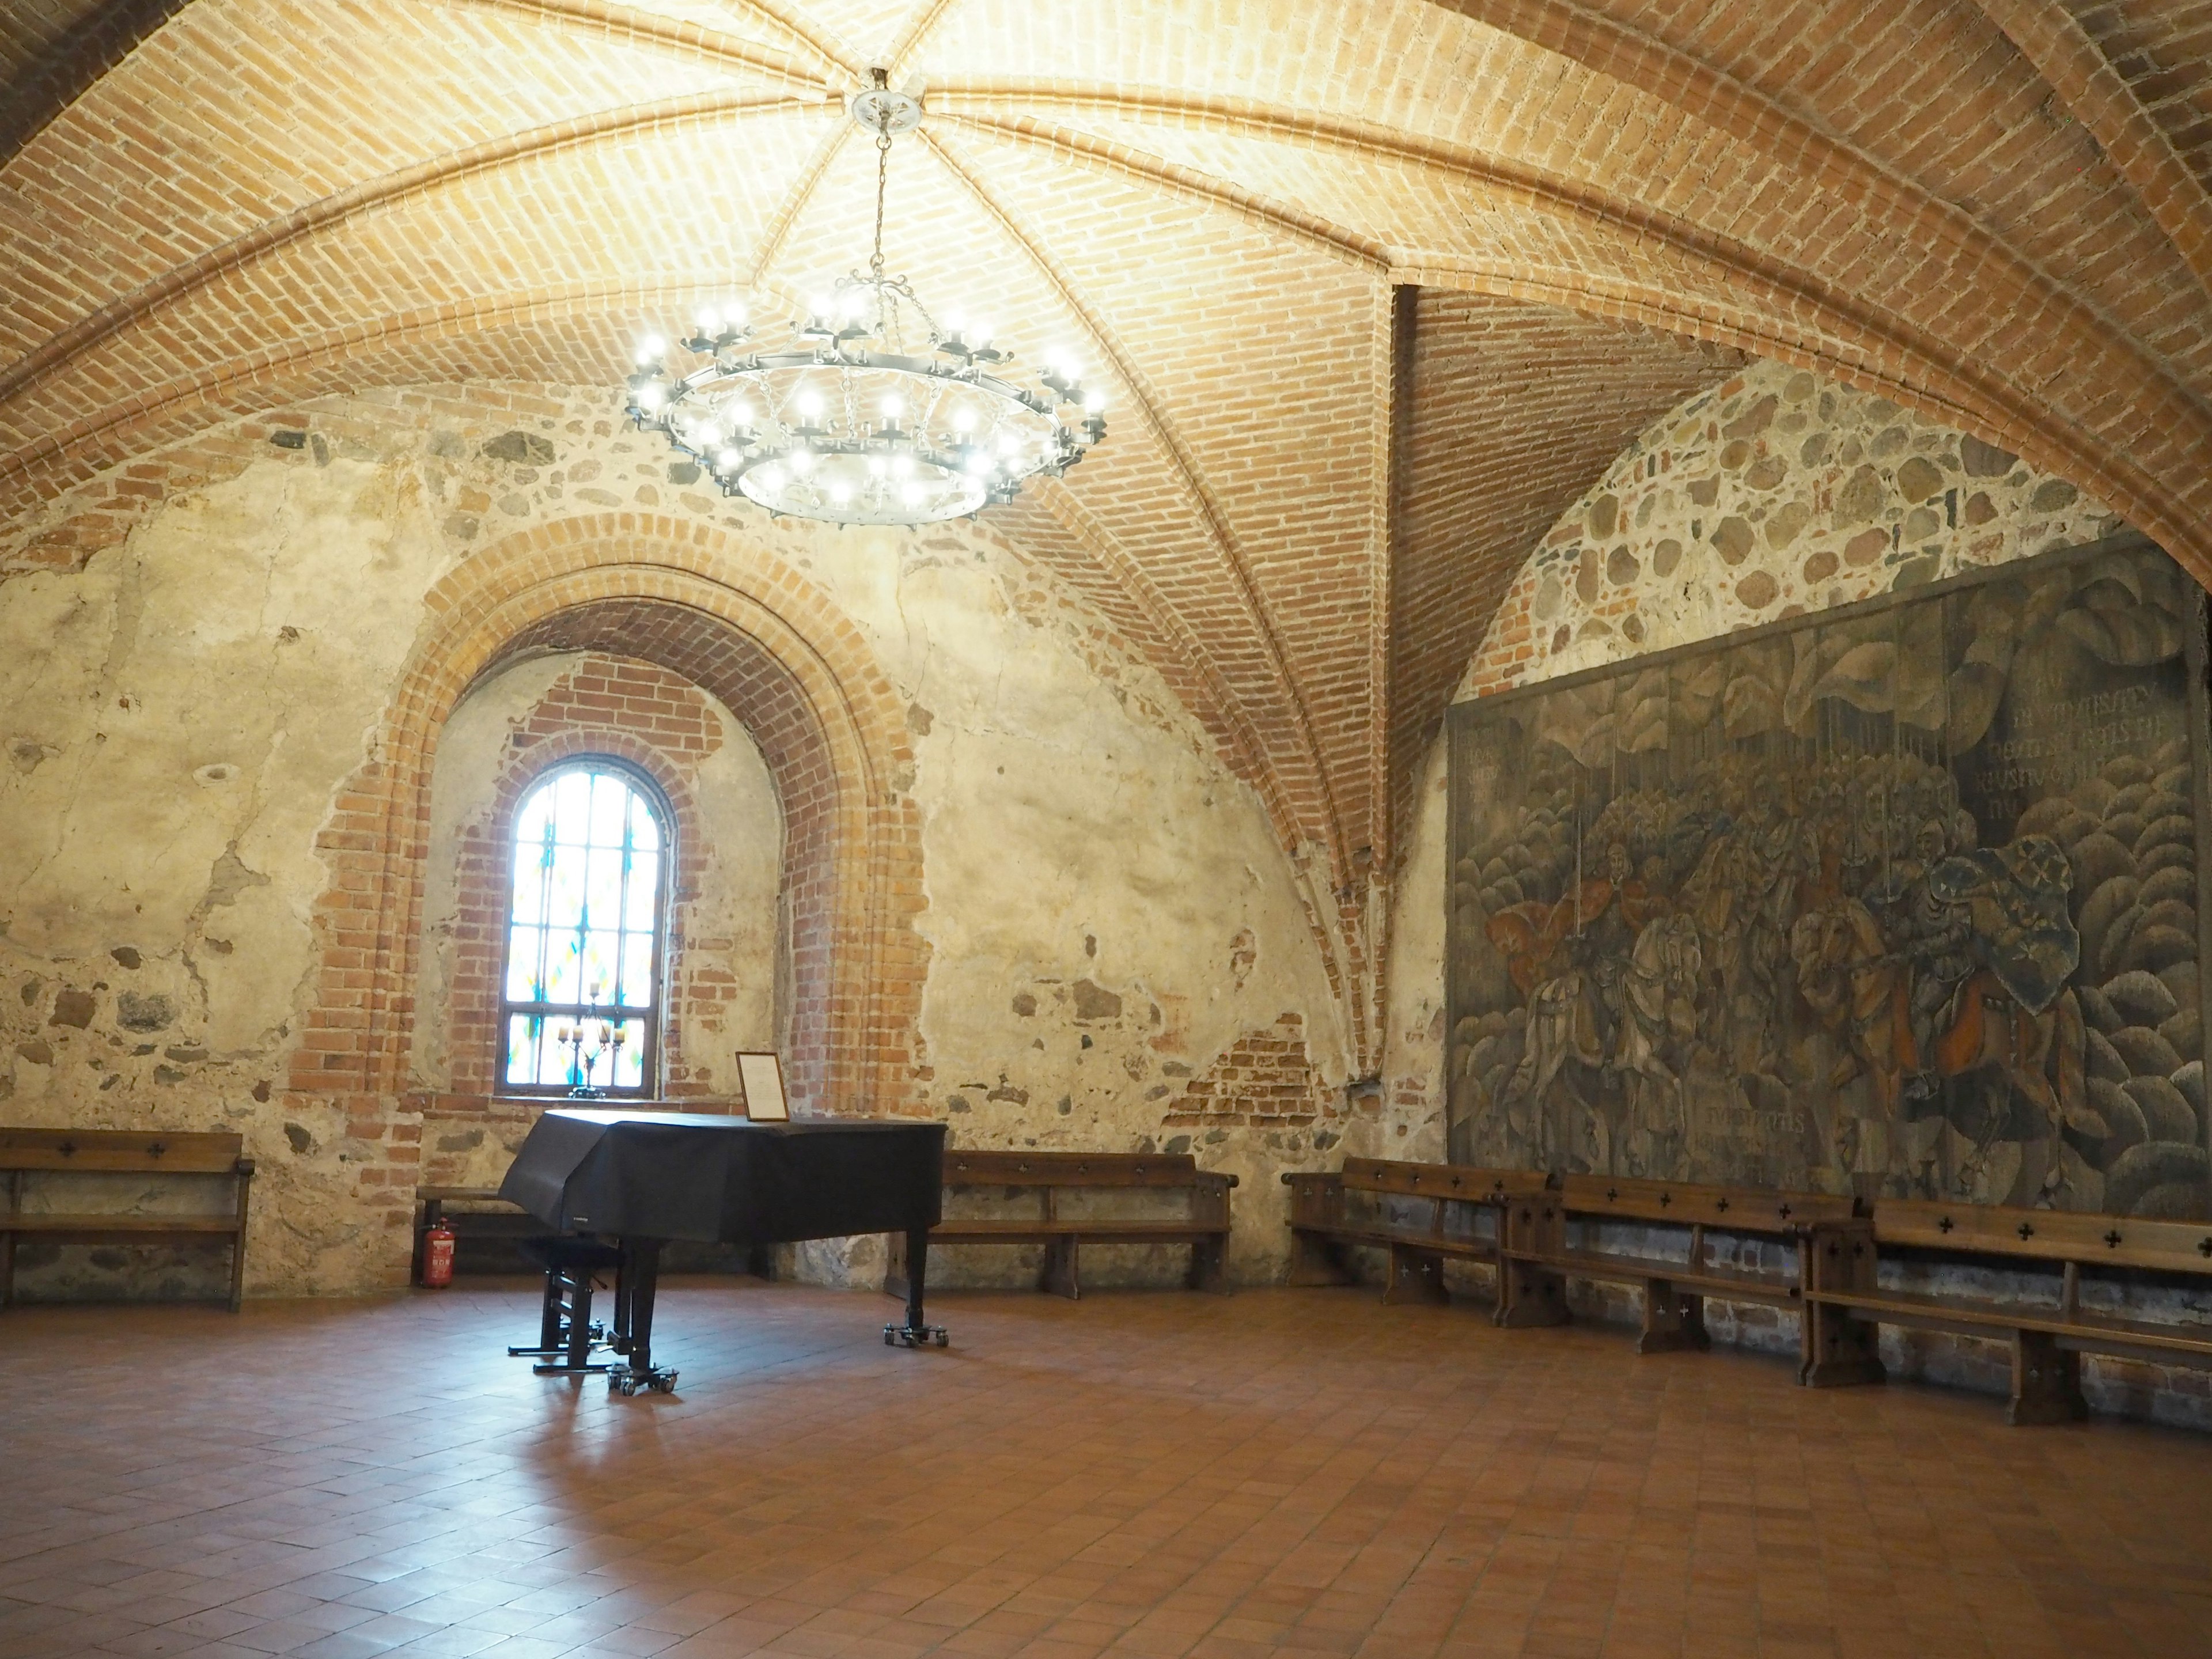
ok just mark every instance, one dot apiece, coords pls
pixel 760 1088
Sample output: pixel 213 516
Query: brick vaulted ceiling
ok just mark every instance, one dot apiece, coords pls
pixel 1317 482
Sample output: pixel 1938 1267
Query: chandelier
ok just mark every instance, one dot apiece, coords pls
pixel 870 412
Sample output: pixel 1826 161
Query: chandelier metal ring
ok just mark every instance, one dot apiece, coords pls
pixel 871 412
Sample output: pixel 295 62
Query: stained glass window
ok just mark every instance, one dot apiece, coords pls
pixel 583 933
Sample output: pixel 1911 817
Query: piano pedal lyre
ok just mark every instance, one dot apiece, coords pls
pixel 568 1334
pixel 910 1336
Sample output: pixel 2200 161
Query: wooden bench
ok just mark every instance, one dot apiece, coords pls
pixel 475 1213
pixel 1054 1176
pixel 1541 1254
pixel 1420 1213
pixel 2047 1336
pixel 38 1154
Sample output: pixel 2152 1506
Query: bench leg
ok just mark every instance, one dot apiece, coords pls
pixel 1416 1276
pixel 1060 1276
pixel 1672 1320
pixel 1530 1295
pixel 1836 1350
pixel 1207 1271
pixel 1317 1259
pixel 2046 1380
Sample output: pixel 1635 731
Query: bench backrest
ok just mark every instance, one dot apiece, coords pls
pixel 2045 1235
pixel 127 1151
pixel 1727 1209
pixel 1464 1181
pixel 994 1169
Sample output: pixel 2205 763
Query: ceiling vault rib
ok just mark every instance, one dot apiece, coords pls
pixel 319 218
pixel 1185 468
pixel 1910 214
pixel 916 36
pixel 2108 472
pixel 1248 751
pixel 794 202
pixel 448 319
pixel 694 41
pixel 75 64
pixel 2053 39
pixel 1100 155
pixel 2044 32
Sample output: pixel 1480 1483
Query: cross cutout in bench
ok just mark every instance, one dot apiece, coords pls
pixel 2026 1230
pixel 2112 1239
pixel 1665 1198
pixel 1945 1224
pixel 1722 1205
pixel 1784 1213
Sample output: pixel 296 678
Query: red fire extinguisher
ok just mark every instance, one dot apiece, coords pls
pixel 438 1257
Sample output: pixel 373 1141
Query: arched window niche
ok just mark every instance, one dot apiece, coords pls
pixel 584 974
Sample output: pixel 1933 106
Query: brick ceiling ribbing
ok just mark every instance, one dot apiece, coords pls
pixel 248 204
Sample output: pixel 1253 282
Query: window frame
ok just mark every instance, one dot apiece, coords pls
pixel 656 801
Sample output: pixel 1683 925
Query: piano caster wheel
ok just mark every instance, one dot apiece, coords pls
pixel 905 1337
pixel 659 1380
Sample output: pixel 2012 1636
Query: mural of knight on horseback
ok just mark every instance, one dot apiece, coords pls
pixel 1760 915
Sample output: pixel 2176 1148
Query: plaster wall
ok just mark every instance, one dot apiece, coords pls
pixel 1108 909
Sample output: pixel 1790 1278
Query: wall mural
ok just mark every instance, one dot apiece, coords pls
pixel 1900 899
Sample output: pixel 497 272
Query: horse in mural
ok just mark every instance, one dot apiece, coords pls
pixel 2012 1015
pixel 1654 1020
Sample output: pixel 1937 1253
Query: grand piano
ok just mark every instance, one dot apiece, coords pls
pixel 642 1178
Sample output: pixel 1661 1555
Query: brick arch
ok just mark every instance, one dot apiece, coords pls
pixel 735 621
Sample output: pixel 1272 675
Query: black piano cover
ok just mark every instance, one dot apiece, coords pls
pixel 673 1175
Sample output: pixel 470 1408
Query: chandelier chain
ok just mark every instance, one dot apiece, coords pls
pixel 883 170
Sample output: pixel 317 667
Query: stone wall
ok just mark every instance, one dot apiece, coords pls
pixel 193 706
pixel 1771 495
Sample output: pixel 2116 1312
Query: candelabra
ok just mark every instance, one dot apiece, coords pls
pixel 609 1038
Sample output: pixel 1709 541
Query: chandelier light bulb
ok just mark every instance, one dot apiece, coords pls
pixel 771 477
pixel 1094 403
pixel 741 413
pixel 910 493
pixel 821 306
pixel 877 466
pixel 964 421
pixel 809 406
pixel 727 461
pixel 734 313
pixel 841 495
pixel 955 323
pixel 894 406
pixel 802 461
pixel 983 334
pixel 649 350
pixel 903 466
pixel 709 320
pixel 648 398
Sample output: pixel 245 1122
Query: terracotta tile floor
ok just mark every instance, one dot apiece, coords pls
pixel 1153 1475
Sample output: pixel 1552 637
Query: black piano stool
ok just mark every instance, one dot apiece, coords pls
pixel 565 1328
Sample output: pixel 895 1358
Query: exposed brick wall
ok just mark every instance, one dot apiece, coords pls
pixel 658 722
pixel 732 619
pixel 1264 1080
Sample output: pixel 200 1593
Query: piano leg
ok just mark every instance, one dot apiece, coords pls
pixel 635 1281
pixel 916 1332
